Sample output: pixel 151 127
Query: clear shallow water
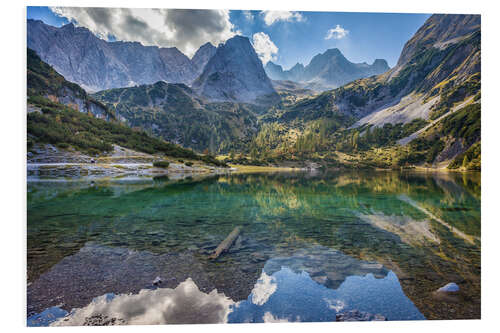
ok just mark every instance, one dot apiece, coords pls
pixel 312 246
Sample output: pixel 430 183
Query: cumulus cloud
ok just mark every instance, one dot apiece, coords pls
pixel 185 304
pixel 264 47
pixel 272 16
pixel 336 33
pixel 186 29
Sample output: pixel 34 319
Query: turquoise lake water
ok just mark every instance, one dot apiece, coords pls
pixel 312 246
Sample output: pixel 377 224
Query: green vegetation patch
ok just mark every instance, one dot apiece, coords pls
pixel 61 125
pixel 451 94
pixel 161 164
pixel 465 123
pixel 469 160
pixel 43 79
pixel 174 113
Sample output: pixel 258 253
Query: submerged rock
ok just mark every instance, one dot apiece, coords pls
pixel 448 293
pixel 356 315
pixel 157 281
pixel 101 320
pixel 450 287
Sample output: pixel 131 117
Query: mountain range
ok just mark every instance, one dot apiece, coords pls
pixel 435 86
pixel 230 72
pixel 61 113
pixel 326 71
pixel 235 74
pixel 438 66
pixel 95 64
pixel 425 110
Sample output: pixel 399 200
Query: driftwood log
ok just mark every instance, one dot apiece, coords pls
pixel 226 243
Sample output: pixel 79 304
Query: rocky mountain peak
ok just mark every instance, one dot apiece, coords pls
pixel 335 52
pixel 297 66
pixel 69 26
pixel 437 31
pixel 235 73
pixel 96 64
pixel 202 56
pixel 380 65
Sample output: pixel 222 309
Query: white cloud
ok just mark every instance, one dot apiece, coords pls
pixel 185 29
pixel 272 16
pixel 336 33
pixel 264 47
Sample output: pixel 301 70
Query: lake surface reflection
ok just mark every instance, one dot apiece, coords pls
pixel 313 247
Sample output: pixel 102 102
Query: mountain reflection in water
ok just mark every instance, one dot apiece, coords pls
pixel 312 246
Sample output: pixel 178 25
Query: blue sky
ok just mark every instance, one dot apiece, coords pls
pixel 370 35
pixel 46 15
pixel 283 37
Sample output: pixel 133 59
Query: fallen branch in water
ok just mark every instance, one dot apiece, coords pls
pixel 226 243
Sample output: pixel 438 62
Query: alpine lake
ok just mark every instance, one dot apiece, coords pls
pixel 313 246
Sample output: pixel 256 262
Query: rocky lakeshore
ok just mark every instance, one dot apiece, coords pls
pixel 49 161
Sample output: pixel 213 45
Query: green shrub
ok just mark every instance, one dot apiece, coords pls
pixel 93 152
pixel 465 123
pixel 189 164
pixel 161 164
pixel 435 149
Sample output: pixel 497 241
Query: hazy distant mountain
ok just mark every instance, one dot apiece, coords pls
pixel 95 64
pixel 235 73
pixel 327 70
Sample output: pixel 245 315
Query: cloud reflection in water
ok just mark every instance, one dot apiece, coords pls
pixel 264 288
pixel 286 291
pixel 185 304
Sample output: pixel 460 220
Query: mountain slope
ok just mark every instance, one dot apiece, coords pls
pixel 61 113
pixel 235 74
pixel 327 70
pixel 95 64
pixel 448 73
pixel 44 81
pixel 176 113
pixel 437 75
